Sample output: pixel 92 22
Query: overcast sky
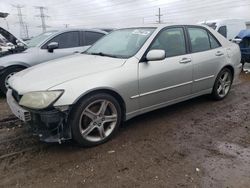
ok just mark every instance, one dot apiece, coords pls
pixel 119 13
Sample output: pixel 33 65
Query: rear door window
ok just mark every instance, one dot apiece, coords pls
pixel 214 43
pixel 92 37
pixel 199 39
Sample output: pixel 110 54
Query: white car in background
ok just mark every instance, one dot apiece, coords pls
pixel 229 28
pixel 47 46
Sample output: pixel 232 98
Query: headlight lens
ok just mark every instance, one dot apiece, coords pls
pixel 40 99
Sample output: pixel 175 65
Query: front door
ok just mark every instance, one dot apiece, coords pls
pixel 169 79
pixel 69 43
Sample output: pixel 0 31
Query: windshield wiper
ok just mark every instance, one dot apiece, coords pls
pixel 103 54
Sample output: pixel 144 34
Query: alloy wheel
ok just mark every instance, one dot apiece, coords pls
pixel 224 84
pixel 98 120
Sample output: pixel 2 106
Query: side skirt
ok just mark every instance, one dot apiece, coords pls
pixel 168 103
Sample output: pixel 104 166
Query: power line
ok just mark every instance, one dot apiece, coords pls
pixel 140 11
pixel 23 26
pixel 42 16
pixel 173 15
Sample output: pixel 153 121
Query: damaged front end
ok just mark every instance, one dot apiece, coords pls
pixel 50 124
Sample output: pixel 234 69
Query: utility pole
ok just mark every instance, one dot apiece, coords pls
pixel 159 15
pixel 23 28
pixel 42 16
pixel 66 25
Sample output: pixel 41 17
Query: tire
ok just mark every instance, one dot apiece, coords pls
pixel 243 64
pixel 5 76
pixel 91 124
pixel 222 85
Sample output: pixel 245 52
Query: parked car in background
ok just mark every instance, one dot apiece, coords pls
pixel 244 35
pixel 47 46
pixel 229 28
pixel 10 44
pixel 126 73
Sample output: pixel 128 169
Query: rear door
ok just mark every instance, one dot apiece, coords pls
pixel 208 56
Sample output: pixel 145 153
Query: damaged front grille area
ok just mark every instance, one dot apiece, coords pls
pixel 50 125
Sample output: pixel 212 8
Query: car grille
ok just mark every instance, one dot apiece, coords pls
pixel 16 96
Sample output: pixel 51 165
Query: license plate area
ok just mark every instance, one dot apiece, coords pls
pixel 19 112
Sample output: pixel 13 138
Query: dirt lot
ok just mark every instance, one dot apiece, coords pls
pixel 198 143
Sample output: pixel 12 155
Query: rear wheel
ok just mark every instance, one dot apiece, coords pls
pixel 95 120
pixel 222 84
pixel 4 77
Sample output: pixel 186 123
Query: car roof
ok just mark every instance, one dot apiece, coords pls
pixel 77 29
pixel 161 26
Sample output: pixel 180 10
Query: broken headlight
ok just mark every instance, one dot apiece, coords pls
pixel 40 99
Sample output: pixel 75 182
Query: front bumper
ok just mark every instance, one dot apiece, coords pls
pixel 50 125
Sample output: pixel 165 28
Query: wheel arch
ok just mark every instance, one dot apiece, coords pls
pixel 111 92
pixel 230 67
pixel 16 65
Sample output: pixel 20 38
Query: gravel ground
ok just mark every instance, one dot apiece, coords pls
pixel 197 143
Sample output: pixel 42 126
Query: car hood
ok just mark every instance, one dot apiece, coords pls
pixel 47 75
pixel 11 38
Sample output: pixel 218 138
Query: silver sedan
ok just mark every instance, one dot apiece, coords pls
pixel 127 73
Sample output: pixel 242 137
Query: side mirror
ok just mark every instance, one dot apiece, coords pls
pixel 237 40
pixel 51 46
pixel 154 55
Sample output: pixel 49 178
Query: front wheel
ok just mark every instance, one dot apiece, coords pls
pixel 4 77
pixel 222 84
pixel 95 120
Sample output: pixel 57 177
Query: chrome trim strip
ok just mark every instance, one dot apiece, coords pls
pixel 134 97
pixel 204 78
pixel 160 90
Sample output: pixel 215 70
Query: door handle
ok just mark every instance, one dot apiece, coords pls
pixel 185 60
pixel 219 53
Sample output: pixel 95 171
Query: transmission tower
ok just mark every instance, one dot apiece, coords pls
pixel 42 16
pixel 23 26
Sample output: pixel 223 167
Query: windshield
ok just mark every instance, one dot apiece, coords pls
pixel 212 25
pixel 123 43
pixel 40 38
